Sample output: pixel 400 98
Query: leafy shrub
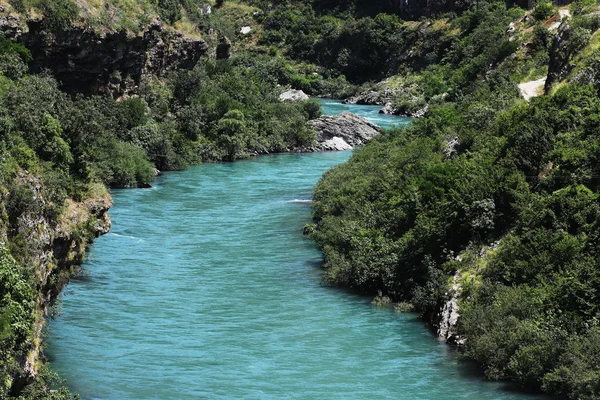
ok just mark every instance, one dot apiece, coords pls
pixel 16 319
pixel 542 11
pixel 126 166
pixel 58 14
pixel 12 66
pixel 169 10
pixel 541 38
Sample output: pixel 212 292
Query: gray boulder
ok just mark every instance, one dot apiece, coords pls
pixel 336 143
pixel 291 95
pixel 342 132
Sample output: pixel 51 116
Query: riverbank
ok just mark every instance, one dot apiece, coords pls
pixel 51 250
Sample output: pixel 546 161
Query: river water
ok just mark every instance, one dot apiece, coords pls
pixel 205 288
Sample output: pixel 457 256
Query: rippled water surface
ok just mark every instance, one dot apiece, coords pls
pixel 369 112
pixel 206 289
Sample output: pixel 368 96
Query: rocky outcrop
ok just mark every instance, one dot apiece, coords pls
pixel 417 109
pixel 451 147
pixel 448 317
pixel 291 95
pixel 341 132
pixel 561 52
pixel 9 24
pixel 55 246
pixel 396 95
pixel 532 88
pixel 84 61
pixel 223 51
pixel 370 97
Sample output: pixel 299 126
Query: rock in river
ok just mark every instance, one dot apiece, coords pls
pixel 342 132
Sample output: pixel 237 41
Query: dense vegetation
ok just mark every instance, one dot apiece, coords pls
pixel 493 192
pixel 222 110
pixel 408 212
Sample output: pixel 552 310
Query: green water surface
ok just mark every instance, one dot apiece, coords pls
pixel 205 288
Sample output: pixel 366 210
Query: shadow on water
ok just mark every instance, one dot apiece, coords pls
pixel 468 370
pixel 82 276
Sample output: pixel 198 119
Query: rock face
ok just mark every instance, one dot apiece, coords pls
pixel 448 318
pixel 342 132
pixel 559 65
pixel 56 247
pixel 293 95
pixel 9 25
pixel 87 62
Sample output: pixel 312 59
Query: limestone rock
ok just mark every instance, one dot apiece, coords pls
pixel 336 143
pixel 341 132
pixel 293 95
pixel 449 315
pixel 388 109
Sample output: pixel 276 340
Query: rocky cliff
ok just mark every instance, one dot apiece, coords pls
pixel 88 62
pixel 560 55
pixel 53 246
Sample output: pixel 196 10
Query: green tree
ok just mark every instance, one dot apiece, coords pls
pixel 233 132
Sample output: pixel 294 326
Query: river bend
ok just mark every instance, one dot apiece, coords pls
pixel 205 288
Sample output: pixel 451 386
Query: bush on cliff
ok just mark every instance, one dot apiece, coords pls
pixel 17 306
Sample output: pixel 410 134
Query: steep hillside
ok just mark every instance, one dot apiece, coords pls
pixel 483 216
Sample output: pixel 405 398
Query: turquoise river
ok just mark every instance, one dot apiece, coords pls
pixel 205 288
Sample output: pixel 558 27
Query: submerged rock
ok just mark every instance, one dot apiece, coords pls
pixel 342 132
pixel 293 95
